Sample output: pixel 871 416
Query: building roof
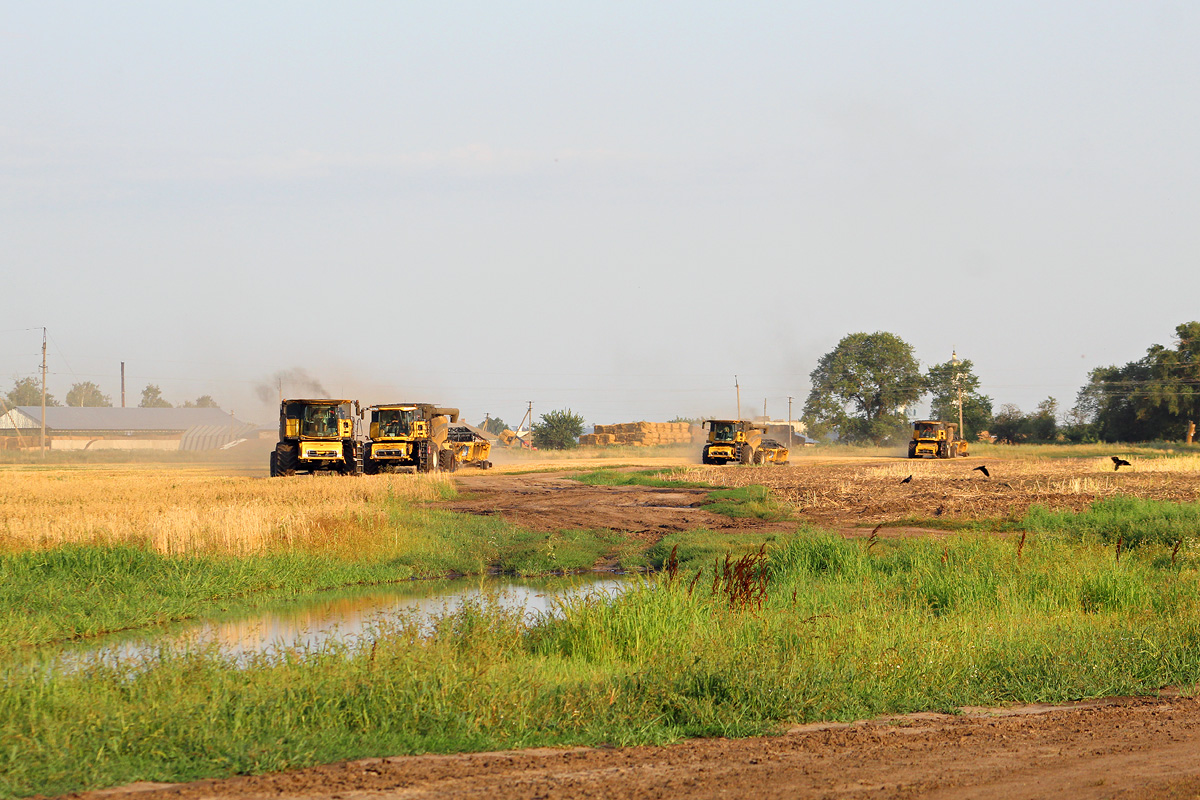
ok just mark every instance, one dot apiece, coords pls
pixel 68 418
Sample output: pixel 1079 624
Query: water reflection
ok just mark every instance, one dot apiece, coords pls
pixel 343 616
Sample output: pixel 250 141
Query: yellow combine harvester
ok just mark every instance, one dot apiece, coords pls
pixel 408 436
pixel 318 435
pixel 741 441
pixel 936 439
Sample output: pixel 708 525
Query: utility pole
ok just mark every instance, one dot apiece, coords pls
pixel 738 389
pixel 765 417
pixel 43 392
pixel 789 422
pixel 122 384
pixel 958 391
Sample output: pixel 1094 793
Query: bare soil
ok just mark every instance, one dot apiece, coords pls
pixel 1126 748
pixel 551 502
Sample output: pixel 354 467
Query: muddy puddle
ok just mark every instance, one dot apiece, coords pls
pixel 344 616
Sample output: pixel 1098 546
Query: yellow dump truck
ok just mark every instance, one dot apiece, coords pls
pixel 408 436
pixel 936 439
pixel 741 441
pixel 317 435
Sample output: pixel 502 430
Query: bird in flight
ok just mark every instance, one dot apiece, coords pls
pixel 983 469
pixel 907 480
pixel 1119 462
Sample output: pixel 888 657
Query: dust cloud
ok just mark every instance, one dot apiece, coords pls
pixel 289 383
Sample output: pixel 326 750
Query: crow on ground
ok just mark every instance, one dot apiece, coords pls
pixel 1119 462
pixel 907 480
pixel 983 469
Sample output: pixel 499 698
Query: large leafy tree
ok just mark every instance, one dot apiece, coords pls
pixel 1155 397
pixel 861 388
pixel 152 398
pixel 558 430
pixel 1174 386
pixel 87 394
pixel 944 382
pixel 28 392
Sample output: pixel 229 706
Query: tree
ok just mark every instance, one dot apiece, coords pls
pixel 861 388
pixel 203 401
pixel 28 392
pixel 494 425
pixel 1043 424
pixel 558 430
pixel 152 398
pixel 976 408
pixel 1155 397
pixel 88 394
pixel 1010 425
pixel 1174 386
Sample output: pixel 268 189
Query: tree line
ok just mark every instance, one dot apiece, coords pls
pixel 28 392
pixel 863 389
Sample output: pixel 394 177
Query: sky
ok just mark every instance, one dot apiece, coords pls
pixel 609 207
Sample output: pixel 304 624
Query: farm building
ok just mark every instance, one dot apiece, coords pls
pixel 122 428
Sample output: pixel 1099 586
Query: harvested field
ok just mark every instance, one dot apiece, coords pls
pixel 867 492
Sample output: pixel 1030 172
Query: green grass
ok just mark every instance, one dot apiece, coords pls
pixel 86 590
pixel 645 477
pixel 1133 521
pixel 747 502
pixel 743 502
pixel 848 630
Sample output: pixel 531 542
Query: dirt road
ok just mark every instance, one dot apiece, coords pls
pixel 1133 748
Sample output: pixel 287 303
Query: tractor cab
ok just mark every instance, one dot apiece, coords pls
pixel 316 419
pixel 397 422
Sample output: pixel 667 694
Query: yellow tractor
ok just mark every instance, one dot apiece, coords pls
pixel 741 441
pixel 936 439
pixel 320 435
pixel 409 436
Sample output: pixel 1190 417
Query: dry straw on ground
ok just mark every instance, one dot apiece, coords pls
pixel 850 494
pixel 194 511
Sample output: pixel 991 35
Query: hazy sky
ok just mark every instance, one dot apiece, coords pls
pixel 612 207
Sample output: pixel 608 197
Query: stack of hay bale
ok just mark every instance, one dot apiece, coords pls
pixel 643 434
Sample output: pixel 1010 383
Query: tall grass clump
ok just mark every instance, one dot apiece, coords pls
pixel 1130 520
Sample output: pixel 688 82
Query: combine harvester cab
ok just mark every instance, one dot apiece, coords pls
pixel 319 435
pixel 741 441
pixel 408 436
pixel 936 439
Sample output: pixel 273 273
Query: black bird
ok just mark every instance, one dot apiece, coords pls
pixel 983 469
pixel 907 480
pixel 1119 462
